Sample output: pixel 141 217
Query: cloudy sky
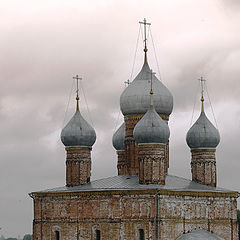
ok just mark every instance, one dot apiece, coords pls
pixel 43 44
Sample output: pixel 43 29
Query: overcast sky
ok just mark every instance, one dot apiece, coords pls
pixel 43 44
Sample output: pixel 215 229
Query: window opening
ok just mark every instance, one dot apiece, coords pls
pixel 98 235
pixel 57 235
pixel 141 234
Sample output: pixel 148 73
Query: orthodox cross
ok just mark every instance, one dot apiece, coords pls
pixel 202 81
pixel 77 98
pixel 145 23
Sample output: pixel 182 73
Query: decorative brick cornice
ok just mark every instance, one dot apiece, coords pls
pixel 139 116
pixel 137 192
pixel 206 150
pixel 152 146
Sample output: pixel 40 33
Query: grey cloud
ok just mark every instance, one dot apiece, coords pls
pixel 41 53
pixel 230 5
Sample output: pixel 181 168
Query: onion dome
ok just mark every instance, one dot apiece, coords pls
pixel 119 138
pixel 199 234
pixel 135 98
pixel 78 132
pixel 203 134
pixel 151 128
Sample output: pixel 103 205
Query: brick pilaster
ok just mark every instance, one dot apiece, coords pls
pixel 131 145
pixel 122 164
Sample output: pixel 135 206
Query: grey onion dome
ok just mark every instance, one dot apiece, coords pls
pixel 151 128
pixel 78 132
pixel 119 138
pixel 135 98
pixel 199 234
pixel 203 134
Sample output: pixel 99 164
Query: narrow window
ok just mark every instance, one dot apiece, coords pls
pixel 141 234
pixel 98 235
pixel 57 235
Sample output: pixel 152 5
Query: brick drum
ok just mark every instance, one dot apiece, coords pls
pixel 203 166
pixel 132 147
pixel 78 165
pixel 152 163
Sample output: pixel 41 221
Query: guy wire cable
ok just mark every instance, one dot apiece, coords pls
pixel 90 117
pixel 69 97
pixel 211 105
pixel 154 49
pixel 194 105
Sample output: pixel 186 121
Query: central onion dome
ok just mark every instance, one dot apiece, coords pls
pixel 203 134
pixel 135 98
pixel 151 128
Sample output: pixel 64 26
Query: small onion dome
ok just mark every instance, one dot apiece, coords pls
pixel 119 137
pixel 135 98
pixel 203 134
pixel 199 234
pixel 151 128
pixel 78 132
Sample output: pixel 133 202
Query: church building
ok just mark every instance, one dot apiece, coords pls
pixel 143 201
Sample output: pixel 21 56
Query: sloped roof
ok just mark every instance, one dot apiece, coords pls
pixel 127 182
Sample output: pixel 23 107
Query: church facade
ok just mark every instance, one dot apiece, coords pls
pixel 143 201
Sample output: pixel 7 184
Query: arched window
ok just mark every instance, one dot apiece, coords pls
pixel 57 235
pixel 98 235
pixel 141 234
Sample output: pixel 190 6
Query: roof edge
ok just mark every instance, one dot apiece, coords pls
pixel 105 192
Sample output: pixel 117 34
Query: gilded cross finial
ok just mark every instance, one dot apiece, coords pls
pixel 202 91
pixel 145 23
pixel 77 97
pixel 151 89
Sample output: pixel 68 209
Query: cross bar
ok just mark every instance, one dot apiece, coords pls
pixel 77 98
pixel 127 82
pixel 145 22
